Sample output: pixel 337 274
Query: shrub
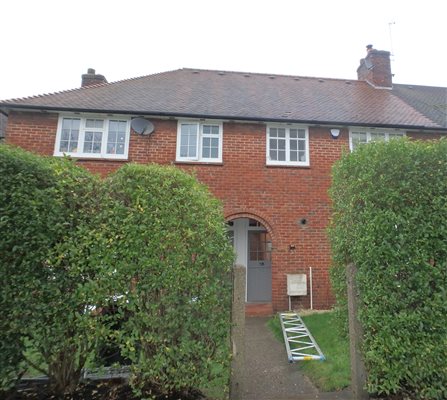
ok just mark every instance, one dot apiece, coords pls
pixel 390 213
pixel 29 228
pixel 77 280
pixel 53 275
pixel 172 260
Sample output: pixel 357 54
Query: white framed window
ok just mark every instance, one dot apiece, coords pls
pixel 92 137
pixel 358 137
pixel 199 141
pixel 287 145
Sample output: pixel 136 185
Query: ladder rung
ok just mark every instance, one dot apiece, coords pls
pixel 300 344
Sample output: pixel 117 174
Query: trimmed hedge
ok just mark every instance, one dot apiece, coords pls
pixel 390 219
pixel 140 260
pixel 51 277
pixel 29 228
pixel 173 259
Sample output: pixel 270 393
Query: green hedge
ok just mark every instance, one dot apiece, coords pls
pixel 169 239
pixel 149 243
pixel 28 228
pixel 51 276
pixel 390 219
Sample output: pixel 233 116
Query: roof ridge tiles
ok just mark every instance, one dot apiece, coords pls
pixel 266 74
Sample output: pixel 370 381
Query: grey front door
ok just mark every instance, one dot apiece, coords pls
pixel 259 267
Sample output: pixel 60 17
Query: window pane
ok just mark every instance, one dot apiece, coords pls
pixel 206 129
pixel 92 142
pixel 73 147
pixel 301 133
pixel 188 140
pixel 121 138
pixel 277 144
pixel 293 156
pixel 94 123
pixel 74 135
pixel 210 147
pixel 96 147
pixel 293 144
pixel 116 137
pixel 120 149
pixel 358 138
pixel 69 135
pixel 63 146
pixel 293 133
pixel 65 134
pixel 215 130
pixel 302 156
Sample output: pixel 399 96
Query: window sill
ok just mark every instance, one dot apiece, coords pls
pixel 287 166
pixel 208 163
pixel 81 158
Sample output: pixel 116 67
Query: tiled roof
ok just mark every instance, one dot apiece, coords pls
pixel 430 101
pixel 247 96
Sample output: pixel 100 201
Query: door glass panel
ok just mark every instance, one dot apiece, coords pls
pixel 259 246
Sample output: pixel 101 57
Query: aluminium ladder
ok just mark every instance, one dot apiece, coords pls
pixel 300 344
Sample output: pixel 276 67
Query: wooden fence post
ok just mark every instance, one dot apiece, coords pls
pixel 238 333
pixel 358 371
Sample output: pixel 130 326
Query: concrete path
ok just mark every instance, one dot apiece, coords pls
pixel 269 376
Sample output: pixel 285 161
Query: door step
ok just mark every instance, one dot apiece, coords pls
pixel 258 309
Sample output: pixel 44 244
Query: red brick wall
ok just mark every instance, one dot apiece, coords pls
pixel 279 197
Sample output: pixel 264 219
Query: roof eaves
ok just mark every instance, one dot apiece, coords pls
pixel 153 113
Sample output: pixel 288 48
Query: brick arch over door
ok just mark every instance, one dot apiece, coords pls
pixel 256 217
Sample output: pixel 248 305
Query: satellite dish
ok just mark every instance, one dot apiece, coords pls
pixel 142 126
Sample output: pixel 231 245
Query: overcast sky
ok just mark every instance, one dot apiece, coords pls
pixel 46 45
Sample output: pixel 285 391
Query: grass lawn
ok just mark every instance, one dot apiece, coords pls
pixel 333 373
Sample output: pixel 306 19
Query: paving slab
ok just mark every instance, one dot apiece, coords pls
pixel 269 375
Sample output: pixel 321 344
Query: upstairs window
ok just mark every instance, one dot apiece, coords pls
pixel 92 137
pixel 197 141
pixel 287 146
pixel 359 137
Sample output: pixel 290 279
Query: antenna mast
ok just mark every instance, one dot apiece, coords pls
pixel 390 24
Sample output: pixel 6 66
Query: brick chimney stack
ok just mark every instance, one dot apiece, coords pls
pixel 91 78
pixel 375 68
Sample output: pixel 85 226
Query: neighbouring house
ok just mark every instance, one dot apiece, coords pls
pixel 3 122
pixel 264 144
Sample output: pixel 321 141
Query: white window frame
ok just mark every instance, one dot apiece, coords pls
pixel 81 138
pixel 369 131
pixel 287 162
pixel 199 141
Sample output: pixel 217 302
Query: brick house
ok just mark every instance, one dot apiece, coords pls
pixel 264 144
pixel 3 122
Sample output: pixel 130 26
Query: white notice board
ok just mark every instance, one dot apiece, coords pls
pixel 297 285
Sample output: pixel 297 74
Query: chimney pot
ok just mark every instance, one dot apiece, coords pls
pixel 91 71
